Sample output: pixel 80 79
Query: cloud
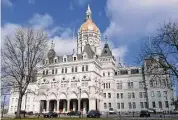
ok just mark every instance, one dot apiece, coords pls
pixel 119 53
pixel 41 21
pixel 8 29
pixel 130 19
pixel 7 3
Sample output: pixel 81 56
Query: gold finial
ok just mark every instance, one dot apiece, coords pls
pixel 88 13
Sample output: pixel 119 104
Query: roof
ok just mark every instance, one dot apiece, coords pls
pixel 89 51
pixel 106 51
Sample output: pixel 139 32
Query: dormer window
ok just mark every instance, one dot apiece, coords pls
pixel 65 59
pixel 75 58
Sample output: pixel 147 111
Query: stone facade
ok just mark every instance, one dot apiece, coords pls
pixel 90 79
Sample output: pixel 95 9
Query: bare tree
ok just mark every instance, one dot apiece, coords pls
pixel 161 53
pixel 21 55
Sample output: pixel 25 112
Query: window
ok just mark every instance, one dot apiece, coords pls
pixel 158 93
pixel 140 94
pixel 74 58
pixel 12 100
pixel 109 105
pixel 117 95
pixel 65 70
pixel 43 72
pixel 62 70
pixel 52 71
pixel 130 105
pixel 152 94
pixel 153 104
pixel 108 73
pixel 166 104
pixel 121 95
pixel 129 95
pixel 104 95
pixel 160 104
pixel 165 93
pixel 105 106
pixel 55 60
pixel 122 105
pixel 109 95
pixel 103 74
pixel 144 94
pixel 133 95
pixel 86 67
pixel 118 105
pixel 134 105
pixel 141 105
pixel 119 85
pixel 65 59
pixel 46 72
pixel 82 68
pixel 130 84
pixel 72 69
pixel 141 84
pixel 123 72
pixel 134 71
pixel 56 71
pixel 146 104
pixel 75 69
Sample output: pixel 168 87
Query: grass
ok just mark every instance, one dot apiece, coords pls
pixel 55 119
pixel 73 119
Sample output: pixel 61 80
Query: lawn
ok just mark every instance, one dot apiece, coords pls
pixel 55 119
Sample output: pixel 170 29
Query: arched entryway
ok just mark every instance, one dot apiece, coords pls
pixel 52 105
pixel 43 106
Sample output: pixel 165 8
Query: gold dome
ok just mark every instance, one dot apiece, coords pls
pixel 89 25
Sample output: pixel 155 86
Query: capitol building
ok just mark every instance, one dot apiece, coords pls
pixel 90 78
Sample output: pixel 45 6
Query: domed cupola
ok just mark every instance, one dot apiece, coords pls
pixel 51 53
pixel 89 33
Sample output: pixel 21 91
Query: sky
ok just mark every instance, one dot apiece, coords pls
pixel 126 23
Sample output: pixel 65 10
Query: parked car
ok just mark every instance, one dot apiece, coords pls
pixel 21 112
pixel 151 110
pixel 144 113
pixel 174 112
pixel 112 111
pixel 50 114
pixel 75 113
pixel 30 113
pixel 93 114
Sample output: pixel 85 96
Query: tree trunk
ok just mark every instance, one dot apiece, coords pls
pixel 19 105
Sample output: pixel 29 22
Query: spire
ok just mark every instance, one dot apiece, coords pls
pixel 52 45
pixel 88 13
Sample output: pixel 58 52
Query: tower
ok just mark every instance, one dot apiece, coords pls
pixel 89 33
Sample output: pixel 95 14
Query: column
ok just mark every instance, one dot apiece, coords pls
pixel 79 104
pixel 39 105
pixel 92 105
pixel 58 106
pixel 68 105
pixel 47 108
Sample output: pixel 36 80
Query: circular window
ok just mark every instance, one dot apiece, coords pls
pixel 84 76
pixel 44 80
pixel 73 77
pixel 63 78
pixel 53 79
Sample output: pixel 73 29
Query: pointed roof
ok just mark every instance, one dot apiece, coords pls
pixel 106 51
pixel 89 51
